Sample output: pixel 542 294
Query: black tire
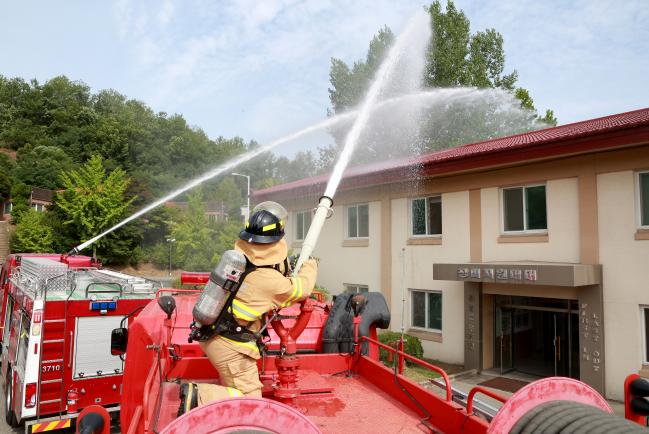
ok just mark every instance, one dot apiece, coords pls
pixel 10 415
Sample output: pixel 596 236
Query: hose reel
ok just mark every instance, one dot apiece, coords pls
pixel 559 405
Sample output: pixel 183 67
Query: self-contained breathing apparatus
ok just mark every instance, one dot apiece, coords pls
pixel 212 312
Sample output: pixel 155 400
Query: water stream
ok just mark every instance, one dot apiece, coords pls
pixel 417 30
pixel 399 74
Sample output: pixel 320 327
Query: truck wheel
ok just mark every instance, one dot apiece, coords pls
pixel 10 415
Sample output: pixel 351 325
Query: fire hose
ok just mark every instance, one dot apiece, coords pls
pixel 572 417
pixel 322 212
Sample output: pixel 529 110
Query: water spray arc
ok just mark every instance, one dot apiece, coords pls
pixel 387 68
pixel 419 98
pixel 213 173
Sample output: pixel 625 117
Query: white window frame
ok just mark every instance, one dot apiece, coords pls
pixel 644 310
pixel 305 229
pixel 4 208
pixel 425 291
pixel 525 223
pixel 426 235
pixel 355 288
pixel 346 225
pixel 638 199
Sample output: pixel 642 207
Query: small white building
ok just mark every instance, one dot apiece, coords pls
pixel 527 253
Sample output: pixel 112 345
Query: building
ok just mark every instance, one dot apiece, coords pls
pixel 39 199
pixel 527 253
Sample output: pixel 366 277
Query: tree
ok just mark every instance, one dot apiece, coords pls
pixel 229 193
pixel 41 166
pixel 32 234
pixel 455 57
pixel 20 195
pixel 93 200
pixel 6 167
pixel 194 247
pixel 349 84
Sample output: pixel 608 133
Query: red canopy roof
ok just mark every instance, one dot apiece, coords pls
pixel 581 137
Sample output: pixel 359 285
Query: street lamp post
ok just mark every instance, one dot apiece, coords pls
pixel 247 194
pixel 170 241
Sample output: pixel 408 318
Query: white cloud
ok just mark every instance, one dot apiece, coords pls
pixel 166 12
pixel 260 68
pixel 262 58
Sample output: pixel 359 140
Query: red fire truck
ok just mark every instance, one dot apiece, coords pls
pixel 56 357
pixel 13 260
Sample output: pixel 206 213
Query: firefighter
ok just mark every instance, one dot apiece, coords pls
pixel 268 286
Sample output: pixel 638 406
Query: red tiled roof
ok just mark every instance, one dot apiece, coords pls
pixel 580 137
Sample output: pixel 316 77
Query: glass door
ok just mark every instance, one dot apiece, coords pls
pixel 504 330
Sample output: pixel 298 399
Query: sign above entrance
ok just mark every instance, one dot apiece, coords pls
pixel 520 273
pixel 494 274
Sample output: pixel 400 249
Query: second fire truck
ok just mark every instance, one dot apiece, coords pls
pixel 56 357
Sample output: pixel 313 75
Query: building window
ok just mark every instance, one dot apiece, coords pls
pixel 426 309
pixel 426 216
pixel 645 340
pixel 643 190
pixel 8 207
pixel 358 217
pixel 38 207
pixel 352 288
pixel 303 219
pixel 524 209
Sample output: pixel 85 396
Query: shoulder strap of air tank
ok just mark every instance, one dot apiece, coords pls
pixel 275 267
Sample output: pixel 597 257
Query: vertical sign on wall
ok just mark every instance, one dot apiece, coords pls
pixel 472 330
pixel 591 339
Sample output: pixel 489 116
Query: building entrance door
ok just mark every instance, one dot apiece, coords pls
pixel 537 336
pixel 504 334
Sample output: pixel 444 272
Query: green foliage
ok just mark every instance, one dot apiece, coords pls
pixel 455 57
pixel 32 234
pixel 93 200
pixel 20 195
pixel 193 247
pixel 349 84
pixel 412 345
pixel 41 166
pixel 549 118
pixel 158 254
pixel 324 291
pixel 5 186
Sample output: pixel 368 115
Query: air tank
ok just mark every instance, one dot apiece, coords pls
pixel 223 281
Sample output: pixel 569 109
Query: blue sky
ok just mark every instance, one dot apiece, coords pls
pixel 259 69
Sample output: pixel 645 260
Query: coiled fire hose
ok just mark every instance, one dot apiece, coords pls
pixel 573 418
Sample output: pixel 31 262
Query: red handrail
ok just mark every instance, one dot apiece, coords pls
pixel 132 428
pixel 489 393
pixel 440 371
pixel 148 385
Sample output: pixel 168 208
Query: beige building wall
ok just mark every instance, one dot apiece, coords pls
pixel 412 268
pixel 562 241
pixel 625 263
pixel 345 264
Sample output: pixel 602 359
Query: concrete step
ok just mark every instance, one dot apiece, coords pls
pixel 4 240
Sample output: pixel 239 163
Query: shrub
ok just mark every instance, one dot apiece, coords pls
pixel 325 292
pixel 32 234
pixel 412 345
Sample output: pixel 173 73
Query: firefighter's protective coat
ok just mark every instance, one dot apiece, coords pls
pixel 261 291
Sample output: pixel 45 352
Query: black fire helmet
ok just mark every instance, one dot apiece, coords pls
pixel 263 228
